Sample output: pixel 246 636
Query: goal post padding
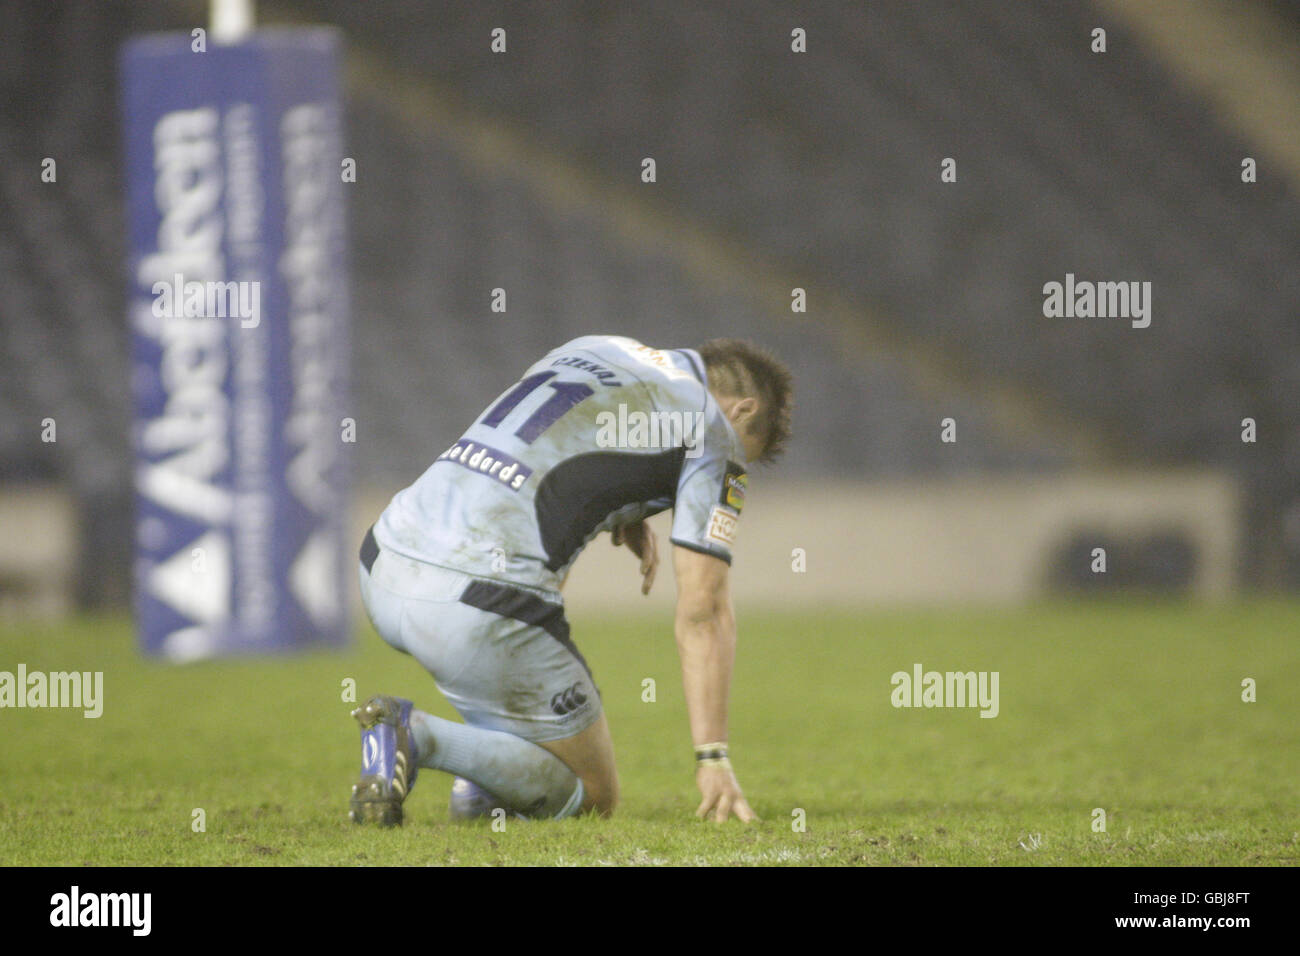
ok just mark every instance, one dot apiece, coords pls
pixel 238 311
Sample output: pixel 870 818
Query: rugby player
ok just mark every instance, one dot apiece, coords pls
pixel 463 571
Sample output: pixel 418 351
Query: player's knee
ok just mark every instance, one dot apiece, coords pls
pixel 602 794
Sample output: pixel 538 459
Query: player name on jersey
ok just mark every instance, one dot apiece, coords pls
pixel 488 461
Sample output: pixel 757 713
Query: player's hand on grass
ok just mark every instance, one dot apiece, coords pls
pixel 640 540
pixel 722 796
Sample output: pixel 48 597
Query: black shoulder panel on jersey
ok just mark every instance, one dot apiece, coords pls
pixel 578 494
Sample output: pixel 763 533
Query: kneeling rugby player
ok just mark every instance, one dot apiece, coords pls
pixel 463 571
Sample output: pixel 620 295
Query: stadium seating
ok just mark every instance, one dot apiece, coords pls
pixel 824 166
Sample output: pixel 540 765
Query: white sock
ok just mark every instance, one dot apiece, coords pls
pixel 529 779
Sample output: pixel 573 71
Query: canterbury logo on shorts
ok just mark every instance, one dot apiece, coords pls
pixel 567 701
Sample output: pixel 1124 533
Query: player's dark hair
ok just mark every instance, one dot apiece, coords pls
pixel 745 370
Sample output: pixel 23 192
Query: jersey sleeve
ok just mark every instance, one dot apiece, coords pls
pixel 710 496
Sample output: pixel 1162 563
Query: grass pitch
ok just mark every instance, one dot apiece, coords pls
pixel 1132 708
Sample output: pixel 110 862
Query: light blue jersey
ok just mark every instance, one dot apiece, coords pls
pixel 603 431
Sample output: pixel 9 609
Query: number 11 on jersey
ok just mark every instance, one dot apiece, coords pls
pixel 567 395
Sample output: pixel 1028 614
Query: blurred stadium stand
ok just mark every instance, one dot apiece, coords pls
pixel 819 171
